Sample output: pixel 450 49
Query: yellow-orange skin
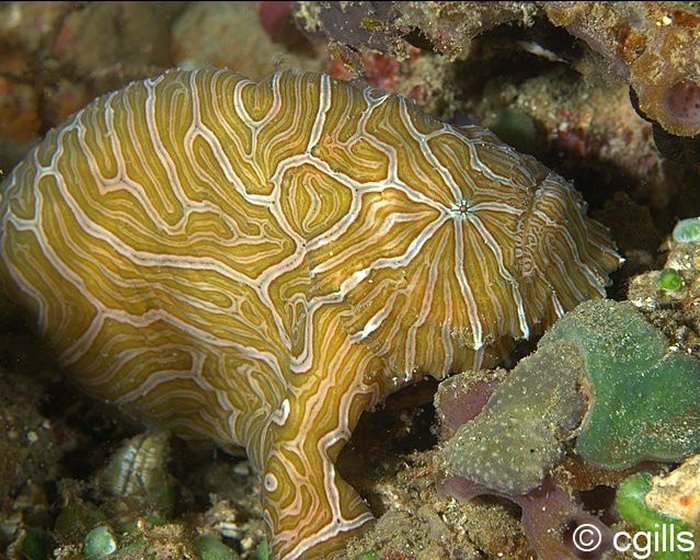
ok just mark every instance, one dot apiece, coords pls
pixel 259 263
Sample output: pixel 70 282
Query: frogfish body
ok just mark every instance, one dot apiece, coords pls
pixel 259 263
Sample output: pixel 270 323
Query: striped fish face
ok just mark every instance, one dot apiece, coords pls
pixel 259 263
pixel 456 246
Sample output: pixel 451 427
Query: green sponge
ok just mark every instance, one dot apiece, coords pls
pixel 601 374
pixel 645 399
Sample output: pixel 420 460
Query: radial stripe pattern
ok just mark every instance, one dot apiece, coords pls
pixel 259 263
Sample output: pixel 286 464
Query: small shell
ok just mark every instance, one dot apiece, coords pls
pixel 138 470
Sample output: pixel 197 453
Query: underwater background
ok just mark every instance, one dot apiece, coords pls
pixel 597 425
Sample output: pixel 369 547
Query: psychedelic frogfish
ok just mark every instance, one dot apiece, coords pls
pixel 257 263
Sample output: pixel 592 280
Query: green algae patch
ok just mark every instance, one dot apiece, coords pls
pixel 34 544
pixel 369 555
pixel 262 551
pixel 602 374
pixel 644 398
pixel 630 502
pixel 210 548
pixel 669 280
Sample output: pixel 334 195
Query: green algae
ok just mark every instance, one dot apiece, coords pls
pixel 76 519
pixel 602 374
pixel 34 544
pixel 669 280
pixel 633 509
pixel 262 551
pixel 210 548
pixel 368 555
